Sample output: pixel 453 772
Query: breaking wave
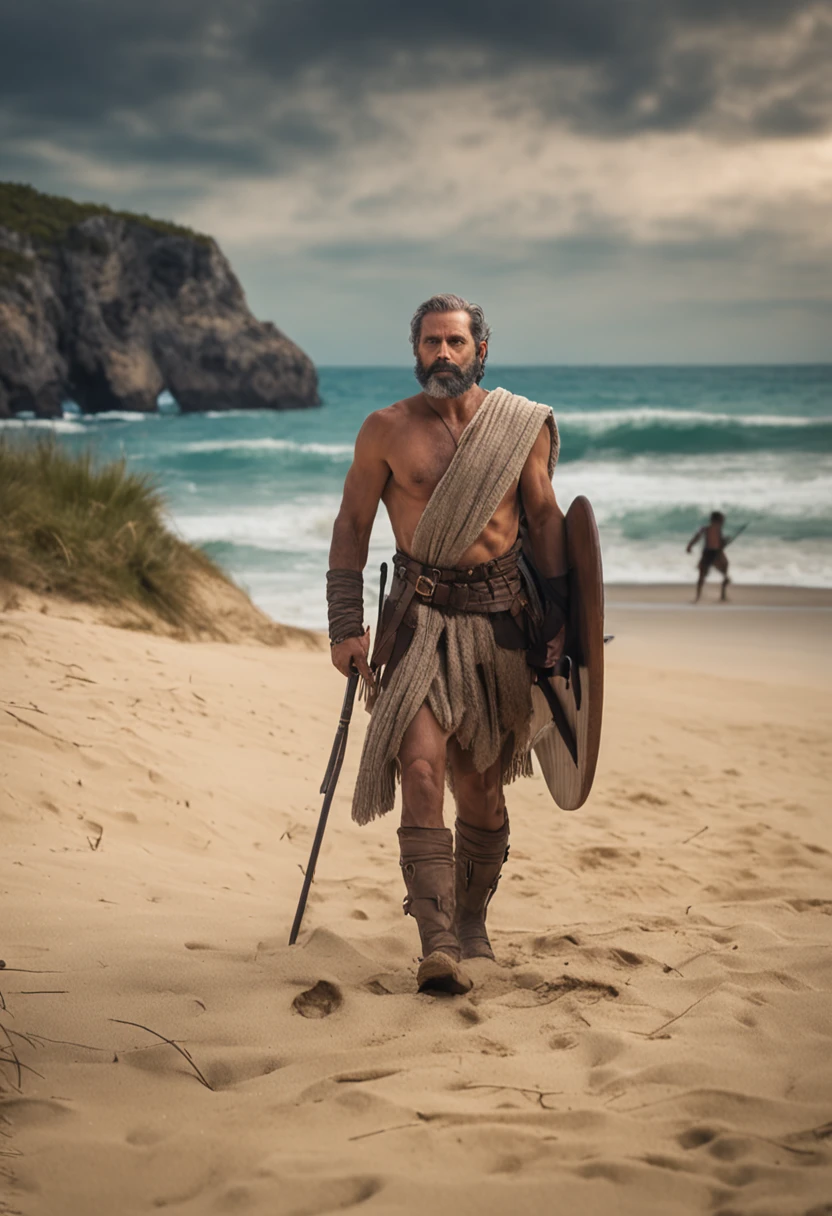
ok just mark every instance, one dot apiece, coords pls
pixel 659 432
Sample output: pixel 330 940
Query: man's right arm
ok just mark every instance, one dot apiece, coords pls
pixel 363 488
pixel 694 539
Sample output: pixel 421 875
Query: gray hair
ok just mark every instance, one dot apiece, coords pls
pixel 480 329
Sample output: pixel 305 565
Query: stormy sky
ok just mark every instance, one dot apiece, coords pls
pixel 614 180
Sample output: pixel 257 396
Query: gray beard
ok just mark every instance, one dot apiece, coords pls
pixel 449 385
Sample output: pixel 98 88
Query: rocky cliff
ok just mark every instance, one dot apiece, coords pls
pixel 108 309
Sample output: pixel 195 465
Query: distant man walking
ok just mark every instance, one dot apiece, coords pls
pixel 450 685
pixel 713 552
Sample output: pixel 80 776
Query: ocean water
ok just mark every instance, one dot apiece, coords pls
pixel 655 449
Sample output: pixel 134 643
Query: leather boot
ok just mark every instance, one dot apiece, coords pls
pixel 427 861
pixel 479 859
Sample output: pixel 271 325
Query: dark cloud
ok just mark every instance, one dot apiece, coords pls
pixel 596 246
pixel 208 82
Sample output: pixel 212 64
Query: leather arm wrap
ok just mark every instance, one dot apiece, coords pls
pixel 345 604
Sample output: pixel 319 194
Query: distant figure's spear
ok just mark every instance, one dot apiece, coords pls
pixel 738 532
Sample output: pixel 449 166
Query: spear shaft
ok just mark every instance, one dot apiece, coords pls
pixel 738 532
pixel 333 772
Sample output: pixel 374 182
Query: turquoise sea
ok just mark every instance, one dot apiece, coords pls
pixel 654 448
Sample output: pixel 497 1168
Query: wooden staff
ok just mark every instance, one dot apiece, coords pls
pixel 333 772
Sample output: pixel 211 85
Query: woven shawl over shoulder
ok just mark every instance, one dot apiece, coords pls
pixel 478 692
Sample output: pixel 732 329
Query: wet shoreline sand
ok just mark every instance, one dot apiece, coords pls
pixel 740 595
pixel 656 1038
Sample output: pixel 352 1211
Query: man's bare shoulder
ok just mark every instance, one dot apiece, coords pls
pixel 386 424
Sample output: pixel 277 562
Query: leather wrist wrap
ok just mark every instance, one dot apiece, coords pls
pixel 345 604
pixel 556 591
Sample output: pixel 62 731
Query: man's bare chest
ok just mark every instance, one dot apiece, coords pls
pixel 418 461
pixel 417 467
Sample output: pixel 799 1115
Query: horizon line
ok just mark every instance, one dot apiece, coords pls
pixel 819 363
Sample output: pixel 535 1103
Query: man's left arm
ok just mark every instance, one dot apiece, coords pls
pixel 544 518
pixel 547 536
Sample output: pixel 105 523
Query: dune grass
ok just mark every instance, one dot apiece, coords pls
pixel 93 531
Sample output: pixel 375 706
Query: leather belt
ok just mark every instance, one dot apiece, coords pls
pixel 493 586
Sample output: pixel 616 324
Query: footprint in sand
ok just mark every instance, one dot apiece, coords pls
pixel 600 856
pixel 627 957
pixel 553 990
pixel 301 1196
pixel 648 799
pixel 812 905
pixel 554 943
pixel 468 1015
pixel 695 1137
pixel 563 1042
pixel 238 1067
pixel 318 1002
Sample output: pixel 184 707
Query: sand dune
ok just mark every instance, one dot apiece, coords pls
pixel 657 1036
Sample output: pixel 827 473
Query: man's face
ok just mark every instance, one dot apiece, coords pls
pixel 448 362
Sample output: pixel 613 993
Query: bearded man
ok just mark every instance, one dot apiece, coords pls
pixel 459 471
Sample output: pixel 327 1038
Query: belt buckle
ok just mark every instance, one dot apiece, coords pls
pixel 425 594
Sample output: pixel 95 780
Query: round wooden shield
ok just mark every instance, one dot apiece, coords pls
pixel 566 719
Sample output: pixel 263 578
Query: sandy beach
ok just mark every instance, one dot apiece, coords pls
pixel 656 1036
